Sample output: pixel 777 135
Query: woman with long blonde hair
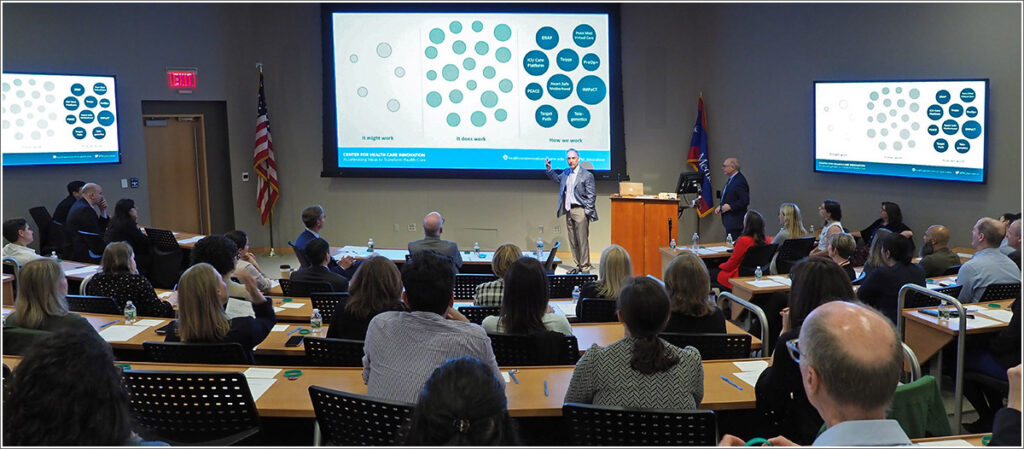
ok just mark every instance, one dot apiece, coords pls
pixel 792 228
pixel 688 285
pixel 616 268
pixel 40 303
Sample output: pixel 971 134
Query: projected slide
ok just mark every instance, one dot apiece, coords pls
pixel 58 119
pixel 471 90
pixel 919 129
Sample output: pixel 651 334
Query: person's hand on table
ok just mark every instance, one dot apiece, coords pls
pixel 731 440
pixel 173 299
pixel 346 262
pixel 453 314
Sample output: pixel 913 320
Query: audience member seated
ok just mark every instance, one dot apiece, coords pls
pixel 318 254
pixel 525 309
pixel 936 257
pixel 89 213
pixel 641 370
pixel 202 295
pixel 490 293
pixel 375 288
pixel 1013 236
pixel 616 267
pixel 124 227
pixel 68 392
pixel 792 228
pixel 781 401
pixel 991 354
pixel 120 279
pixel 875 259
pixel 433 225
pixel 60 213
pixel 688 285
pixel 19 234
pixel 40 302
pixel 840 248
pixel 831 211
pixel 988 266
pixel 1006 219
pixel 402 349
pixel 221 253
pixel 881 287
pixel 889 217
pixel 246 262
pixel 462 404
pixel 753 234
pixel 850 363
pixel 1006 430
pixel 314 218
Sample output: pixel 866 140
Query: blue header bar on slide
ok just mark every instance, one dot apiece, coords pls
pixel 902 170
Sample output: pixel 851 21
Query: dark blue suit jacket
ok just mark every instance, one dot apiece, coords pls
pixel 737 196
pixel 300 245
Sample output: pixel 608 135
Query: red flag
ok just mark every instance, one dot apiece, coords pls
pixel 698 159
pixel 263 161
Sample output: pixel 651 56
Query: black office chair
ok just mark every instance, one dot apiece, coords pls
pixel 549 264
pixel 713 346
pixel 597 310
pixel 87 247
pixel 11 266
pixel 193 407
pixel 915 299
pixel 465 284
pixel 94 304
pixel 791 251
pixel 757 256
pixel 328 302
pixel 303 288
pixel 167 258
pixel 205 353
pixel 333 351
pixel 595 425
pixel 561 285
pixel 349 419
pixel 541 348
pixel 996 292
pixel 955 269
pixel 49 240
pixel 299 254
pixel 476 314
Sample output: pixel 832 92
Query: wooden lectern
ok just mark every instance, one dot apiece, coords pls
pixel 641 225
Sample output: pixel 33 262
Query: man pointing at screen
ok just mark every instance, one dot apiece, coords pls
pixel 576 196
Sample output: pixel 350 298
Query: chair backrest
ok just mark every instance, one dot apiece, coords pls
pixel 476 314
pixel 549 264
pixel 206 353
pixel 791 251
pixel 41 215
pixel 87 247
pixel 303 288
pixel 465 284
pixel 916 299
pixel 995 292
pixel 597 310
pixel 327 303
pixel 94 304
pixel 162 239
pixel 165 267
pixel 595 425
pixel 713 346
pixel 299 254
pixel 44 226
pixel 349 419
pixel 11 266
pixel 192 407
pixel 333 351
pixel 757 256
pixel 85 283
pixel 955 269
pixel 543 348
pixel 953 291
pixel 561 285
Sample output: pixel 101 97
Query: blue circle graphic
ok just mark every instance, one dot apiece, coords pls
pixel 430 52
pixel 436 35
pixel 79 133
pixel 578 117
pixel 86 116
pixel 962 146
pixel 71 103
pixel 560 86
pixel 547 38
pixel 950 127
pixel 434 99
pixel 956 110
pixel 502 54
pixel 546 116
pixel 941 145
pixel 77 89
pixel 99 132
pixel 942 96
pixel 482 48
pixel 71 119
pixel 450 72
pixel 971 129
pixel 535 62
pixel 500 115
pixel 469 63
pixel 459 47
pixel 591 62
pixel 471 85
pixel 505 85
pixel 478 119
pixel 502 32
pixel 934 112
pixel 489 99
pixel 90 102
pixel 99 88
pixel 933 130
pixel 584 35
pixel 568 60
pixel 431 75
pixel 455 27
pixel 591 90
pixel 972 111
pixel 489 72
pixel 534 91
pixel 105 118
pixel 455 96
pixel 105 103
pixel 967 95
pixel 454 119
pixel 477 26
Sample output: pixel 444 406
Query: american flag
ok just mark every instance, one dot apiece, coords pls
pixel 263 161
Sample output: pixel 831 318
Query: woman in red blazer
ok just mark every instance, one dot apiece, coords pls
pixel 753 234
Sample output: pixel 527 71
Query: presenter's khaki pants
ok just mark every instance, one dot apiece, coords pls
pixel 578 226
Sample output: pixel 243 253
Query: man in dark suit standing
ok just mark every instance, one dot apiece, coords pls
pixel 735 198
pixel 318 253
pixel 576 197
pixel 88 214
pixel 60 214
pixel 314 218
pixel 433 225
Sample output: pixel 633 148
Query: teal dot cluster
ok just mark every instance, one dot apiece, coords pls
pixel 569 55
pixel 468 53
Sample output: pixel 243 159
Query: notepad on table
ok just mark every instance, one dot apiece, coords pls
pixel 191 239
pixel 83 271
pixel 121 332
pixel 750 370
pixel 764 283
pixel 148 323
pixel 782 280
pixel 292 305
pixel 567 308
pixel 278 309
pixel 259 386
pixel 261 373
pixel 717 249
pixel 279 327
pixel 997 314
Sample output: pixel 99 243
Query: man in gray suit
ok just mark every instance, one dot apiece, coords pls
pixel 577 206
pixel 432 227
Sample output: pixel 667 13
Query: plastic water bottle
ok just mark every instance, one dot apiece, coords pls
pixel 672 244
pixel 757 273
pixel 812 230
pixel 944 310
pixel 54 256
pixel 476 249
pixel 728 239
pixel 576 294
pixel 540 248
pixel 369 245
pixel 316 322
pixel 696 239
pixel 129 313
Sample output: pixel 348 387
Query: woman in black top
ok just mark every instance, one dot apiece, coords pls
pixel 881 287
pixel 124 227
pixel 688 285
pixel 781 399
pixel 119 279
pixel 891 218
pixel 840 248
pixel 375 287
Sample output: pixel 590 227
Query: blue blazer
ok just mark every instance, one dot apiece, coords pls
pixel 305 237
pixel 737 196
pixel 585 191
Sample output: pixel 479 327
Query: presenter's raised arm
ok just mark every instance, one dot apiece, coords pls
pixel 551 173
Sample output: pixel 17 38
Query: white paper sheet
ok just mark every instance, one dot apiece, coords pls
pixel 120 332
pixel 261 373
pixel 946 443
pixel 997 314
pixel 279 328
pixel 165 295
pixel 83 271
pixel 274 283
pixel 292 305
pixel 259 386
pixel 782 280
pixel 977 322
pixel 278 309
pixel 749 377
pixel 752 365
pixel 504 375
pixel 764 283
pixel 967 255
pixel 148 323
pixel 238 308
pixel 718 249
pixel 191 239
pixel 567 308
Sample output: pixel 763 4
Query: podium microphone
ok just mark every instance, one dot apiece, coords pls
pixel 618 177
pixel 670 229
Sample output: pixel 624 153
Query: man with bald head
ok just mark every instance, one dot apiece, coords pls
pixel 433 225
pixel 88 214
pixel 988 265
pixel 1013 241
pixel 936 256
pixel 735 198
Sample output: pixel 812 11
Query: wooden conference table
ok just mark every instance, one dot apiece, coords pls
pixel 927 335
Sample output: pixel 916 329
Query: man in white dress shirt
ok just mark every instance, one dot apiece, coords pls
pixel 20 235
pixel 576 198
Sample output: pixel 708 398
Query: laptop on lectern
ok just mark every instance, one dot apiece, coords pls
pixel 631 188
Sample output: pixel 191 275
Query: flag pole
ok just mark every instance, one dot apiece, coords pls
pixel 270 220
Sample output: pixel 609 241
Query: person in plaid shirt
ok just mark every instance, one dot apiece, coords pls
pixel 490 293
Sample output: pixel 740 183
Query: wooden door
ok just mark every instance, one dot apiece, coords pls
pixel 176 171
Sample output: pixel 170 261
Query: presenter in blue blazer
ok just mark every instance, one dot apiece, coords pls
pixel 314 218
pixel 735 198
pixel 577 206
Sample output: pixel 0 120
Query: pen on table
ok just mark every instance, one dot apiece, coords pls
pixel 108 324
pixel 732 383
pixel 513 376
pixel 545 388
pixel 293 330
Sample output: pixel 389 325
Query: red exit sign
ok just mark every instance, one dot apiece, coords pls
pixel 181 79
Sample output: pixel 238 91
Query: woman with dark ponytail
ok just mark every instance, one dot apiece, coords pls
pixel 641 370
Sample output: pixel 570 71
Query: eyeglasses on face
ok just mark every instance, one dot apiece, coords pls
pixel 793 348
